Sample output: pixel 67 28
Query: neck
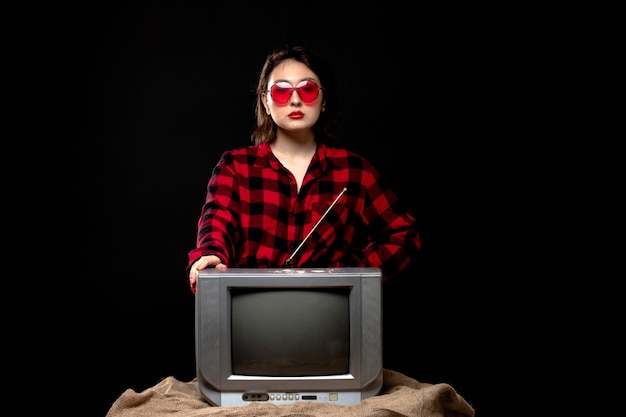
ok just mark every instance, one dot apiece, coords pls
pixel 290 145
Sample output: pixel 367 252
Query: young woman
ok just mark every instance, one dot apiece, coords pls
pixel 293 199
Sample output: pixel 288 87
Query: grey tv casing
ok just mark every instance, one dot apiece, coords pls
pixel 219 386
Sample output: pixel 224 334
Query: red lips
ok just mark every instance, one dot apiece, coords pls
pixel 296 115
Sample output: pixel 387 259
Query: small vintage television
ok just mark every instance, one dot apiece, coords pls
pixel 289 335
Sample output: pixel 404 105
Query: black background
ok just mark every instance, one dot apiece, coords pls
pixel 118 114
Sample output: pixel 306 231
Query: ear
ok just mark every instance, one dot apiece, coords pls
pixel 264 99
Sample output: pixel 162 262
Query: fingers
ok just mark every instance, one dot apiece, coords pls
pixel 200 264
pixel 193 278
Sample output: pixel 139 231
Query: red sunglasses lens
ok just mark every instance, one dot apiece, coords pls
pixel 282 91
pixel 308 91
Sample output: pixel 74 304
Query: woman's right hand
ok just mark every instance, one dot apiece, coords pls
pixel 208 261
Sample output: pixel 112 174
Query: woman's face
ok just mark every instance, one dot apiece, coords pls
pixel 293 109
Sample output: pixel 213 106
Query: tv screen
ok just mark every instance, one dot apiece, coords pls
pixel 317 321
pixel 287 335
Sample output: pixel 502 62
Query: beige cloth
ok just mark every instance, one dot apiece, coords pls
pixel 400 396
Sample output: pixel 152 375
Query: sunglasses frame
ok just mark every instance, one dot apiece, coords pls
pixel 297 89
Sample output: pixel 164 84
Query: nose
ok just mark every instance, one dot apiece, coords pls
pixel 295 98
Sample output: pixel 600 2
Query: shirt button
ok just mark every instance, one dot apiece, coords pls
pixel 289 179
pixel 293 212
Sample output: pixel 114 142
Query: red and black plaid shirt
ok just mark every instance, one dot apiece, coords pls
pixel 254 215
